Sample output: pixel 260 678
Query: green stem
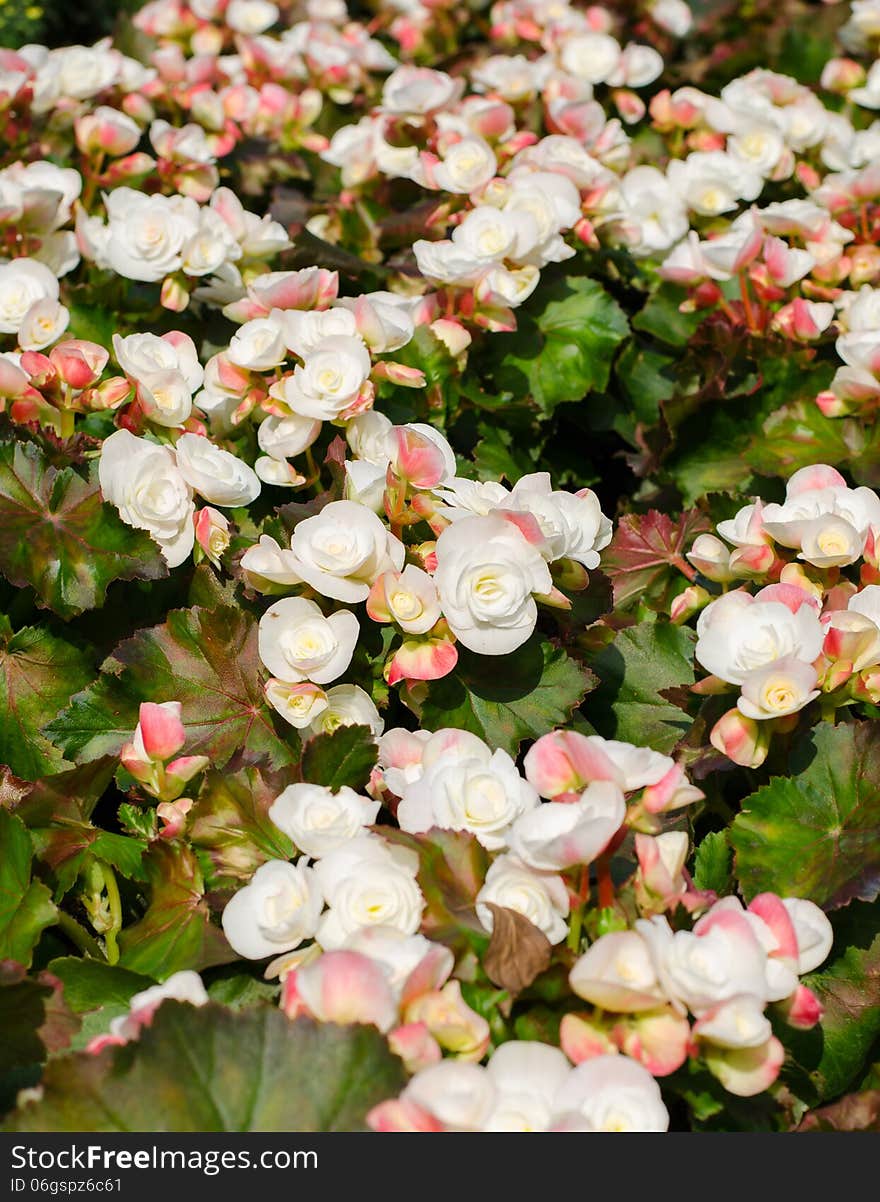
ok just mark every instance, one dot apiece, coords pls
pixel 115 912
pixel 575 928
pixel 79 935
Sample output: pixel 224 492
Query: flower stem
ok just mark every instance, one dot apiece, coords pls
pixel 78 935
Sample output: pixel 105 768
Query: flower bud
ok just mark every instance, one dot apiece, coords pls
pixel 741 739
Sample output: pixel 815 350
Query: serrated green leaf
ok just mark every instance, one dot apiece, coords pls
pixel 345 756
pixel 663 318
pixel 91 985
pixel 38 675
pixel 26 907
pixel 564 343
pixel 633 669
pixel 230 822
pixel 536 691
pixel 816 832
pixel 452 869
pixel 205 659
pixel 712 867
pixel 833 1055
pixel 176 932
pixel 212 1069
pixel 58 535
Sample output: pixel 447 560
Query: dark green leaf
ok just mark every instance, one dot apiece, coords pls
pixel 230 821
pixel 211 1069
pixel 633 669
pixel 176 932
pixel 38 674
pixel 712 869
pixel 207 660
pixel 536 692
pixel 564 343
pixel 57 534
pixel 346 756
pixel 26 907
pixel 816 832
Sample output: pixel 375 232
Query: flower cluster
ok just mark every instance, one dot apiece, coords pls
pixel 810 632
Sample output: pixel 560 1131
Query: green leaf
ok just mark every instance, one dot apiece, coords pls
pixel 57 534
pixel 212 1069
pixel 833 1055
pixel 176 932
pixel 452 869
pixel 230 821
pixel 815 832
pixel 646 378
pixel 205 659
pixel 712 869
pixel 564 343
pixel 536 692
pixel 633 669
pixel 26 907
pixel 799 434
pixel 663 318
pixel 34 1021
pixel 92 985
pixel 38 674
pixel 346 756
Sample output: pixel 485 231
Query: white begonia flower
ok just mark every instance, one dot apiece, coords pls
pixel 286 437
pixel 317 820
pixel 467 165
pixel 592 57
pixel 164 398
pixel 419 90
pixel 329 381
pixel 146 234
pixel 616 973
pixel 486 576
pixel 739 1022
pixel 365 484
pixel 275 912
pixel 251 17
pixel 737 635
pixel 555 836
pixel 783 687
pixel 654 208
pixel 613 1093
pixel 304 331
pixel 382 319
pixel 638 766
pixel 367 882
pixel 144 483
pixel 399 954
pixel 298 704
pixel 367 435
pixel 814 932
pixel 527 1077
pixel 297 642
pixel 572 523
pixel 637 66
pixel 258 345
pixel 278 472
pixel 23 282
pixel 867 602
pixel 698 970
pixel 343 550
pixel 484 795
pixel 268 563
pixel 218 476
pixel 461 1096
pixel 541 897
pixel 347 705
pixel 712 182
pixel 43 323
pixel 464 498
pixel 142 355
